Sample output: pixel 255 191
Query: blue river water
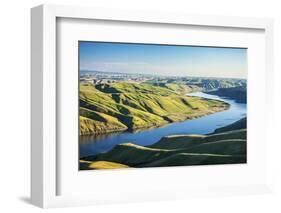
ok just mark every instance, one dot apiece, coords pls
pixel 92 145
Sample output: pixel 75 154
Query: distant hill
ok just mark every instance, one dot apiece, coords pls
pixel 225 147
pixel 215 84
pixel 239 94
pixel 200 83
pixel 120 106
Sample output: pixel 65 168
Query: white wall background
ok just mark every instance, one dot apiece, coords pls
pixel 15 98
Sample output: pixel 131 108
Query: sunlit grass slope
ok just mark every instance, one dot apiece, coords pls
pixel 180 150
pixel 87 165
pixel 119 106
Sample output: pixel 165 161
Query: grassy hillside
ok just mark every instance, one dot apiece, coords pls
pixel 179 150
pixel 119 106
pixel 100 165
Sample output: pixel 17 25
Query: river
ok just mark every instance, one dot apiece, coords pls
pixel 93 145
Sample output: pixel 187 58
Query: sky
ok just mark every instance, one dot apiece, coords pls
pixel 168 60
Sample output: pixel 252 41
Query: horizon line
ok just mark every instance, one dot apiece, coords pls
pixel 182 76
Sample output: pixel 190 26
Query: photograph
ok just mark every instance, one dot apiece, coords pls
pixel 159 105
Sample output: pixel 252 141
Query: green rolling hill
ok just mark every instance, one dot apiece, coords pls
pixel 123 106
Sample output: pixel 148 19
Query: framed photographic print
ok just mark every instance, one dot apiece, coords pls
pixel 130 106
pixel 137 107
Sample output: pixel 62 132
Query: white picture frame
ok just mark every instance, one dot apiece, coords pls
pixel 44 149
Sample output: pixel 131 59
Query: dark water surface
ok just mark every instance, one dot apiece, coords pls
pixel 92 145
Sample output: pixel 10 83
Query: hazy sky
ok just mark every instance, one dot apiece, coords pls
pixel 164 59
